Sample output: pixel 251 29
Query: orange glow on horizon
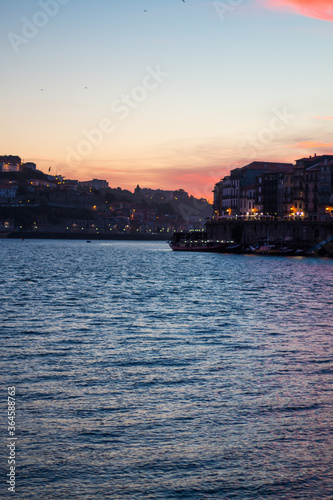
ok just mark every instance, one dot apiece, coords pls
pixel 312 145
pixel 197 181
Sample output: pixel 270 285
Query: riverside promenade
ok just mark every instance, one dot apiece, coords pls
pixel 294 233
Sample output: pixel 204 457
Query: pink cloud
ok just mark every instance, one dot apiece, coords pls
pixel 312 145
pixel 320 9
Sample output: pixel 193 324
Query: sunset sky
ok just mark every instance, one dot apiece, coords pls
pixel 165 93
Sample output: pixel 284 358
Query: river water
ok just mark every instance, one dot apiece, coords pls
pixel 142 373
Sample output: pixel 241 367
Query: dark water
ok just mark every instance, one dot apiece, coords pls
pixel 142 373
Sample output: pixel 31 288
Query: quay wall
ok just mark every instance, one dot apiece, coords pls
pixel 86 236
pixel 294 234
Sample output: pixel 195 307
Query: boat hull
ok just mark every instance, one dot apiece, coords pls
pixel 276 251
pixel 198 241
pixel 194 248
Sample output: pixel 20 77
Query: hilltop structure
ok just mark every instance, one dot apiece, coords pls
pixel 9 163
pixel 42 204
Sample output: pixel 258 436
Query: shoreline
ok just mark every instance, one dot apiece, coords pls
pixel 84 236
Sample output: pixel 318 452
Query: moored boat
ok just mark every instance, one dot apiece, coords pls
pixel 273 250
pixel 197 241
pixel 269 248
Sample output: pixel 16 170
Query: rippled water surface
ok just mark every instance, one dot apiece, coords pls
pixel 143 373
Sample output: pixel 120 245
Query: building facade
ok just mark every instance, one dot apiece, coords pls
pixel 94 184
pixel 230 194
pixel 9 163
pixel 282 190
pixel 7 191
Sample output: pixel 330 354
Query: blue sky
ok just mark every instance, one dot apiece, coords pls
pixel 172 97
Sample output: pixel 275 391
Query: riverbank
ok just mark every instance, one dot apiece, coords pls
pixel 86 236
